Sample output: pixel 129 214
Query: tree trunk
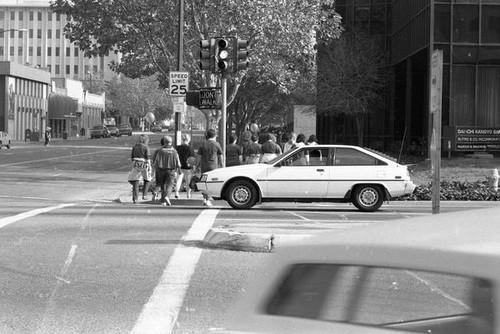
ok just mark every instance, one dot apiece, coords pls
pixel 359 127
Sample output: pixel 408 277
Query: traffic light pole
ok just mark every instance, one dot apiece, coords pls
pixel 224 112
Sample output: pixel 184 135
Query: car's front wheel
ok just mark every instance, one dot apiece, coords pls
pixel 242 194
pixel 368 198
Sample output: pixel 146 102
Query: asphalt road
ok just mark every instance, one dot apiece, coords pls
pixel 74 260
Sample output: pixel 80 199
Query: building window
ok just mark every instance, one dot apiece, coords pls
pixel 75 70
pixel 49 16
pixel 49 33
pixel 21 16
pixel 20 51
pixel 49 68
pixel 2 15
pixel 49 51
pixel 76 52
pixel 68 69
pixel 38 51
pixel 39 33
pixel 11 51
pixel 58 17
pixel 30 51
pixel 466 23
pixel 68 52
pixel 31 33
pixel 58 33
pixel 32 16
pixel 1 51
pixel 13 16
pixel 490 29
pixel 58 71
pixel 39 16
pixel 12 32
pixel 58 51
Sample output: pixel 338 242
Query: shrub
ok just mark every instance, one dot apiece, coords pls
pixel 458 191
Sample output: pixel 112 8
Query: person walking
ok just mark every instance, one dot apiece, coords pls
pixel 253 151
pixel 312 140
pixel 270 149
pixel 185 151
pixel 290 144
pixel 209 157
pixel 141 167
pixel 47 136
pixel 234 152
pixel 167 164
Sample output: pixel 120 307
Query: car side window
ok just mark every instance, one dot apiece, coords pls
pixel 352 157
pixel 416 301
pixel 308 157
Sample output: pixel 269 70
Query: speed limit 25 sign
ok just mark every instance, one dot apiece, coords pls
pixel 178 83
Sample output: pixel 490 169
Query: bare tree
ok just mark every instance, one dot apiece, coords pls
pixel 352 77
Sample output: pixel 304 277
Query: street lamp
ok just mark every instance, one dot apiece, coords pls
pixel 7 49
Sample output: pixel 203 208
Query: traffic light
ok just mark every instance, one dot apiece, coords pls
pixel 221 55
pixel 240 61
pixel 206 54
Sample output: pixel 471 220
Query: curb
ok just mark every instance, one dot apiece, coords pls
pixel 232 240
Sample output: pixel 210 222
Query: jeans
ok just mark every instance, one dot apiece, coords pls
pixel 165 179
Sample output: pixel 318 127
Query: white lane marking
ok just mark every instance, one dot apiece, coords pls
pixel 57 158
pixel 9 220
pixel 434 288
pixel 160 313
pixel 297 215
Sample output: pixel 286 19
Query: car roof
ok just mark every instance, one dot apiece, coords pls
pixel 465 243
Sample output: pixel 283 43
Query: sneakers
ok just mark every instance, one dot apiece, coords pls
pixel 207 203
pixel 168 201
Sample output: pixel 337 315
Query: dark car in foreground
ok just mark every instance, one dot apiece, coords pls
pixel 428 274
pixel 125 129
pixel 99 131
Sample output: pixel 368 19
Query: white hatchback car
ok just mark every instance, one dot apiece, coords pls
pixel 436 274
pixel 335 173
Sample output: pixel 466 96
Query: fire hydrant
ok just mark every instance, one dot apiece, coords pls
pixel 494 179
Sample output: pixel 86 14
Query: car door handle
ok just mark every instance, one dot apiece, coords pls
pixel 320 170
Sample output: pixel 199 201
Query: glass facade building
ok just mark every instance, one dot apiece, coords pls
pixel 468 33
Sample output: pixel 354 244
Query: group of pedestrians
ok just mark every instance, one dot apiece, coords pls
pixel 172 167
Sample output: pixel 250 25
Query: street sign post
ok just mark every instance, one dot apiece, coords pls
pixel 178 83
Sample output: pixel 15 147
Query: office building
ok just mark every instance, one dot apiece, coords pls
pixel 467 32
pixel 32 35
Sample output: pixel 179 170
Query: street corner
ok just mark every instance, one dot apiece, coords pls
pixel 240 241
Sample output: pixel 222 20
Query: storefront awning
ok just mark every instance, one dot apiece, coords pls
pixel 62 106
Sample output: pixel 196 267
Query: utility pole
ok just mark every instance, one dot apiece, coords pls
pixel 180 59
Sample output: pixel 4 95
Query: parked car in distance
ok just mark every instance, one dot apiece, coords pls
pixel 427 274
pixel 113 131
pixel 125 129
pixel 319 173
pixel 155 128
pixel 5 139
pixel 99 131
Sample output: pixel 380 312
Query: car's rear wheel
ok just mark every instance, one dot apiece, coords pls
pixel 242 194
pixel 368 197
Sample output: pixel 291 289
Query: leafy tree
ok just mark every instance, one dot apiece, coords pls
pixel 353 77
pixel 136 97
pixel 281 33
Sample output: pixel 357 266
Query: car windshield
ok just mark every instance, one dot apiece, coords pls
pixel 273 161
